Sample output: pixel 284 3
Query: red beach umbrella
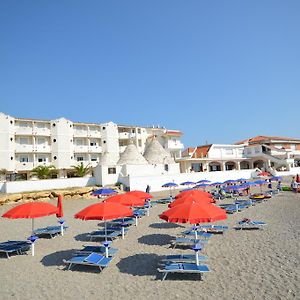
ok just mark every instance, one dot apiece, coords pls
pixel 190 199
pixel 60 213
pixel 126 199
pixel 194 193
pixel 104 211
pixel 194 213
pixel 140 194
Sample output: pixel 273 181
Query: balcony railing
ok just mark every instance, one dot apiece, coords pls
pixel 24 148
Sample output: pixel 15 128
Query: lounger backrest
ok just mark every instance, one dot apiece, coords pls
pixel 94 258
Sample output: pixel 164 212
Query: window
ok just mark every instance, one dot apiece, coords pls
pixel 41 141
pixel 139 130
pixel 140 143
pixel 79 142
pixel 23 141
pixel 23 125
pixel 93 143
pixel 112 171
pixel 24 159
pixel 94 159
pixel 42 159
pixel 166 167
pixel 80 158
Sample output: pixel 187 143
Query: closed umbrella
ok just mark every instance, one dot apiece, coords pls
pixel 60 213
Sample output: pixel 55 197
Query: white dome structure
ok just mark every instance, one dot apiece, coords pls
pixel 131 156
pixel 156 154
pixel 108 159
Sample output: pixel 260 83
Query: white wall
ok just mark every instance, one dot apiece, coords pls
pixel 146 170
pixel 156 181
pixel 47 184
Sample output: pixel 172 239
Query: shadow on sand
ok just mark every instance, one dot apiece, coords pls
pixel 82 237
pixel 165 225
pixel 156 239
pixel 140 264
pixel 56 258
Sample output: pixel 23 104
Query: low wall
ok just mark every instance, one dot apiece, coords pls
pixel 47 184
pixel 156 182
pixel 293 171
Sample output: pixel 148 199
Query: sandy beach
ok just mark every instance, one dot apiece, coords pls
pixel 258 264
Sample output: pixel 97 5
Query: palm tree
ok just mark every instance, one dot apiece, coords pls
pixel 44 172
pixel 81 170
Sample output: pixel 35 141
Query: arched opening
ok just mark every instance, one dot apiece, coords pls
pixel 230 165
pixel 245 165
pixel 214 166
pixel 259 164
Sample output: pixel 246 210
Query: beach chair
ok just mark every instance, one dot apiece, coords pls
pixel 184 241
pixel 93 260
pixel 51 231
pixel 182 258
pixel 183 268
pixel 128 221
pixel 96 249
pixel 214 229
pixel 249 224
pixel 18 247
pixel 109 234
pixel 200 233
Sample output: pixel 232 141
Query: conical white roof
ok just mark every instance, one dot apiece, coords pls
pixel 156 154
pixel 131 156
pixel 108 159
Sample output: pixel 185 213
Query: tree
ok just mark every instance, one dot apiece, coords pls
pixel 81 170
pixel 44 172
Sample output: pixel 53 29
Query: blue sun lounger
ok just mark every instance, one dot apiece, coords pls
pixel 188 242
pixel 182 258
pixel 110 234
pixel 200 234
pixel 18 247
pixel 183 268
pixel 128 221
pixel 51 231
pixel 96 249
pixel 213 229
pixel 93 260
pixel 249 224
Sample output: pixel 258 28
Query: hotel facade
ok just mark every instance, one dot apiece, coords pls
pixel 28 143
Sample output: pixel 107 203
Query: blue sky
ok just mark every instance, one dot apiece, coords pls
pixel 220 71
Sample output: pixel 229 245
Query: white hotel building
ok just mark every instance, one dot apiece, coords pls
pixel 28 143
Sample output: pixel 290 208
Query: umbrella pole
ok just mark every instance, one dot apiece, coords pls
pixel 105 230
pixel 32 226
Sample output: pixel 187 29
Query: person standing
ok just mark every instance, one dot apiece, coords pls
pixel 148 189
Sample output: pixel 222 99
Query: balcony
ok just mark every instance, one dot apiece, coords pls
pixel 24 166
pixel 42 148
pixel 41 131
pixel 81 149
pixel 24 148
pixel 95 134
pixel 95 149
pixel 124 135
pixel 174 145
pixel 23 130
pixel 80 133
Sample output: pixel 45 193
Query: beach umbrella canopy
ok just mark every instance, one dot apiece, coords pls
pixel 194 213
pixel 59 213
pixel 263 174
pixel 201 186
pixel 140 194
pixel 104 211
pixel 229 181
pixel 126 199
pixel 191 198
pixel 187 183
pixel 204 181
pixel 236 188
pixel 216 183
pixel 170 184
pixel 193 193
pixel 104 192
pixel 31 210
pixel 276 178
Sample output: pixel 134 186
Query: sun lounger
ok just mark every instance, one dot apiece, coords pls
pixel 183 268
pixel 93 259
pixel 18 247
pixel 249 224
pixel 96 249
pixel 51 231
pixel 109 234
pixel 188 242
pixel 128 221
pixel 213 229
pixel 200 233
pixel 182 258
pixel 164 200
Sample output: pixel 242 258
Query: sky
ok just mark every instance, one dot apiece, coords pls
pixel 219 71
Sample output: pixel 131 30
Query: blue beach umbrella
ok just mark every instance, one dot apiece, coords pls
pixel 204 181
pixel 187 183
pixel 276 178
pixel 229 181
pixel 170 185
pixel 104 192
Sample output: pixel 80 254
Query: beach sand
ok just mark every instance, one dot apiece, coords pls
pixel 257 264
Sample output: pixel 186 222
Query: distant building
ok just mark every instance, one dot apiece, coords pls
pixel 263 152
pixel 27 143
